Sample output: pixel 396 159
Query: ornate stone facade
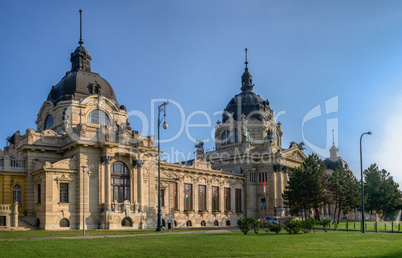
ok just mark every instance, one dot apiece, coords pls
pixel 249 144
pixel 81 124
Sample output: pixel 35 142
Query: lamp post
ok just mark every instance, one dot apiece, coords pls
pixel 83 199
pixel 361 174
pixel 161 108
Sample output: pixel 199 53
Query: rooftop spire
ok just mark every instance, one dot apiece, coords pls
pixel 333 138
pixel 246 78
pixel 80 42
pixel 246 58
pixel 80 59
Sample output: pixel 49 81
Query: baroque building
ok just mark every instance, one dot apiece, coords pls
pixel 83 160
pixel 248 142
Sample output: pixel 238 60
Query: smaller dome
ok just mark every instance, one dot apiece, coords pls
pixel 334 163
pixel 246 103
pixel 80 50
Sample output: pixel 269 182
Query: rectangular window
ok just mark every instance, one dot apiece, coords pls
pixel 227 199
pixel 238 200
pixel 64 192
pixel 188 196
pixel 176 200
pixel 215 198
pixel 162 197
pixel 2 221
pixel 201 197
pixel 39 192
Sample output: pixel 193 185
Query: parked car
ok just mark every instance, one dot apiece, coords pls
pixel 269 220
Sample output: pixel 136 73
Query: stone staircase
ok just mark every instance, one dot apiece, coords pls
pixel 24 224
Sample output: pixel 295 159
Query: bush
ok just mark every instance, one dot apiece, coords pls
pixel 255 225
pixel 247 224
pixel 325 224
pixel 292 226
pixel 307 225
pixel 273 227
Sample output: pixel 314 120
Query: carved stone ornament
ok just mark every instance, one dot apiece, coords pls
pixel 140 163
pixel 106 160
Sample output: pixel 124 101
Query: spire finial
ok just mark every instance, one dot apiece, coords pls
pixel 80 42
pixel 246 58
pixel 333 138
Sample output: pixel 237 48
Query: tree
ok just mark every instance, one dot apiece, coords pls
pixel 381 192
pixel 307 187
pixel 345 190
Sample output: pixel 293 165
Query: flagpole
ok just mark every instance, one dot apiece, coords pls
pixel 266 201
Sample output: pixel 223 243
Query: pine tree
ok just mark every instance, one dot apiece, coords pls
pixel 307 187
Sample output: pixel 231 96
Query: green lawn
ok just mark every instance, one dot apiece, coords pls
pixel 73 233
pixel 215 245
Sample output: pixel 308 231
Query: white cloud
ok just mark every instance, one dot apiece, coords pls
pixel 387 139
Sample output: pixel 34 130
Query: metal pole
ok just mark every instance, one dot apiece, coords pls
pixel 83 199
pixel 361 174
pixel 159 226
pixel 159 221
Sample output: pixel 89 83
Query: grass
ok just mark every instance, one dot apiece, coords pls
pixel 73 233
pixel 339 244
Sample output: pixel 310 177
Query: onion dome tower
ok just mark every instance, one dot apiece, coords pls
pixel 81 82
pixel 246 103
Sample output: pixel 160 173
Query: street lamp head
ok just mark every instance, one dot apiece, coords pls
pixel 83 168
pixel 370 133
pixel 165 125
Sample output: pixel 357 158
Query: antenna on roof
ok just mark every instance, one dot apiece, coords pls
pixel 333 138
pixel 246 58
pixel 80 42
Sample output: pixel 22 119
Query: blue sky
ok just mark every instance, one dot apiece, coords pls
pixel 301 54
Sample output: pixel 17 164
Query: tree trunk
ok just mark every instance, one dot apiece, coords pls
pixel 339 213
pixel 333 217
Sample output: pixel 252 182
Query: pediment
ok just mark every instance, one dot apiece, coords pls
pixel 296 154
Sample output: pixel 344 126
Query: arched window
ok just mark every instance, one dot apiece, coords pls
pixel 216 223
pixel 48 122
pixel 64 223
pixel 126 222
pixel 277 139
pixel 120 182
pixel 237 138
pixel 228 223
pixel 230 137
pixel 188 223
pixel 223 138
pixel 203 224
pixel 98 117
pixel 17 194
pixel 163 223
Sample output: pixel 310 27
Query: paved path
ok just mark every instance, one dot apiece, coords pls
pixel 117 236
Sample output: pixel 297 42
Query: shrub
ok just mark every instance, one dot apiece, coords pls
pixel 255 225
pixel 292 226
pixel 273 227
pixel 247 224
pixel 325 224
pixel 307 225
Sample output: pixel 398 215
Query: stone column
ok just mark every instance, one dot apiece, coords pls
pixel 222 198
pixel 108 198
pixel 14 214
pixel 196 205
pixel 140 163
pixel 279 188
pixel 233 199
pixel 208 196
